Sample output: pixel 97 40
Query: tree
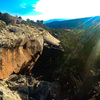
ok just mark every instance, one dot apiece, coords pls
pixel 20 17
pixel 40 22
pixel 0 13
pixel 6 18
pixel 28 20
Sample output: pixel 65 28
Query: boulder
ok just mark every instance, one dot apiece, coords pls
pixel 21 87
pixel 20 48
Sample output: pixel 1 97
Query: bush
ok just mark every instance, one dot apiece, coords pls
pixel 2 24
pixel 6 18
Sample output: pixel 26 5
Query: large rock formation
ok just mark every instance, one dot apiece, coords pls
pixel 20 47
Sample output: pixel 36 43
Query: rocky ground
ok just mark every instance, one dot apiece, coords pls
pixel 21 87
pixel 24 44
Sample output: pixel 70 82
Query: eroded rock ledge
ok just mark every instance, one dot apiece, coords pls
pixel 20 47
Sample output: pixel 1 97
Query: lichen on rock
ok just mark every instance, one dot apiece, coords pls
pixel 21 47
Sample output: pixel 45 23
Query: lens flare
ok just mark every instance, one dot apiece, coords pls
pixel 91 60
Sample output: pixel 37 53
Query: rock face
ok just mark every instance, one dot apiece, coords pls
pixel 20 47
pixel 21 87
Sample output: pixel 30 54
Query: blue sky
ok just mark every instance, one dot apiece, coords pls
pixel 51 9
pixel 19 7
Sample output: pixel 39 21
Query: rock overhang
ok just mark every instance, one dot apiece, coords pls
pixel 20 47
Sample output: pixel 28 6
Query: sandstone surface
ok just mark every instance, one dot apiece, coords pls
pixel 20 47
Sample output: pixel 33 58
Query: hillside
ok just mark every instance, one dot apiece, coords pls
pixel 79 65
pixel 50 71
pixel 10 19
pixel 81 23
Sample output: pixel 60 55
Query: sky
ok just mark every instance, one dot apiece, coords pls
pixel 51 9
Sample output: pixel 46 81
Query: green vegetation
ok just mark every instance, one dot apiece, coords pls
pixel 29 22
pixel 6 18
pixel 80 23
pixel 20 17
pixel 78 66
pixel 2 24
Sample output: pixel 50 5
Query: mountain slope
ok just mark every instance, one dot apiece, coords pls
pixel 81 23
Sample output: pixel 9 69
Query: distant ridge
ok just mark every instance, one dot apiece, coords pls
pixel 80 23
pixel 52 20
